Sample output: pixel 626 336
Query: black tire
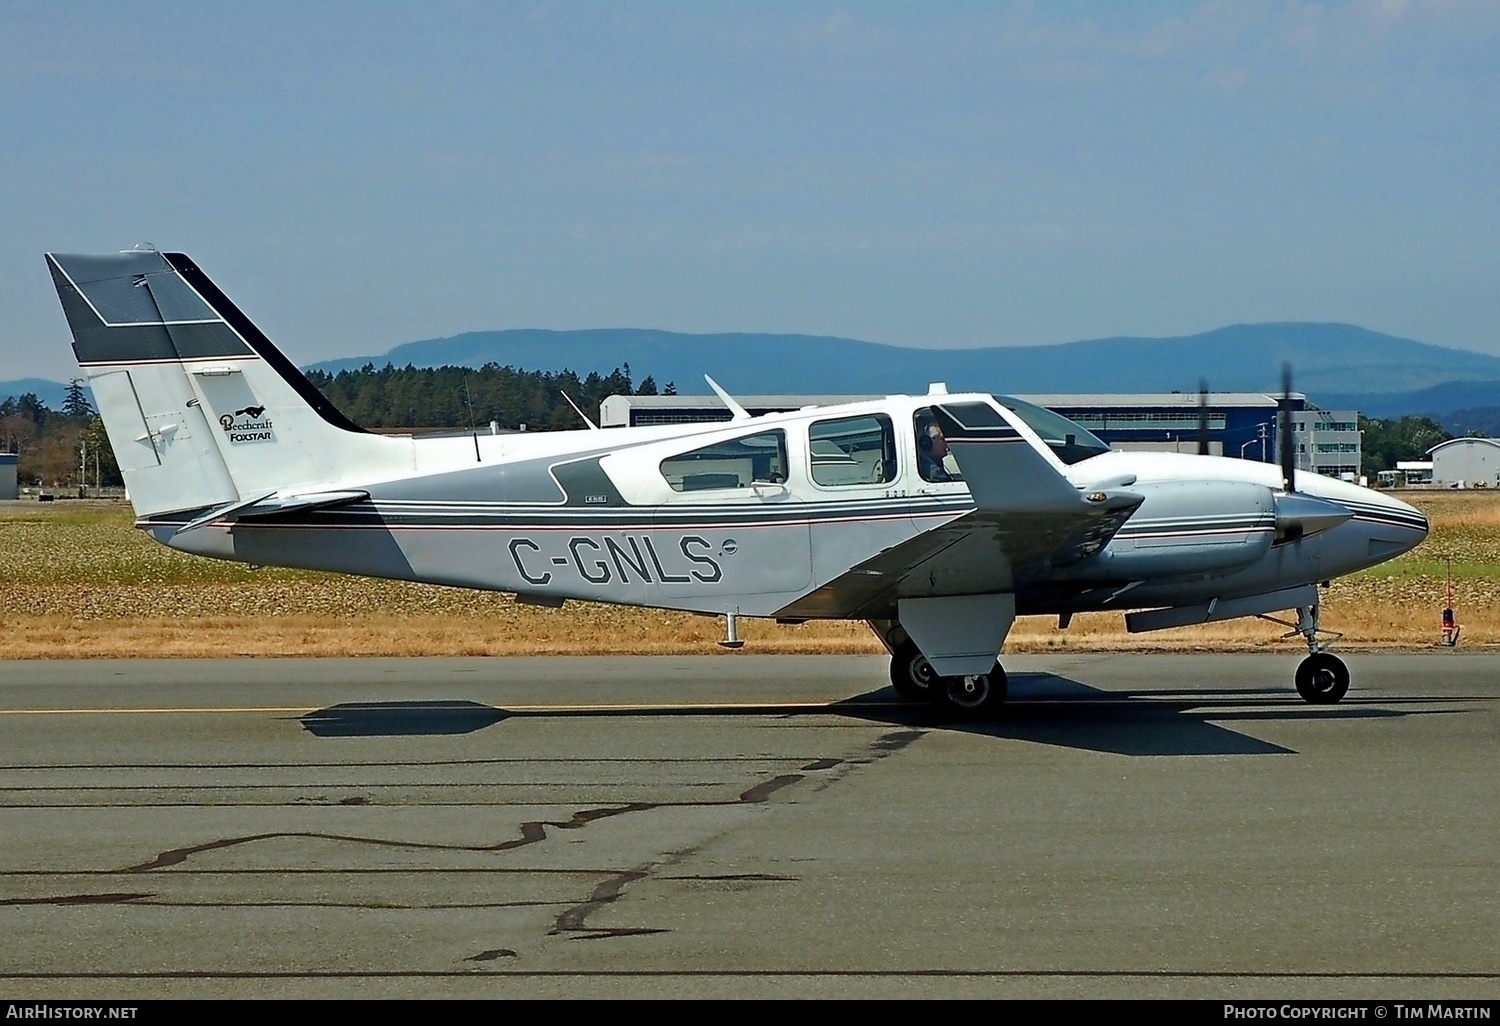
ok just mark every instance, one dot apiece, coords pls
pixel 971 697
pixel 1322 678
pixel 911 675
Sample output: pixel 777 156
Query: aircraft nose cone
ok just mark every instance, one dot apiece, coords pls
pixel 1394 526
pixel 1409 517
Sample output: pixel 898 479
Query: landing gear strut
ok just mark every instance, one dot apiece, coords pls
pixel 1322 678
pixel 968 696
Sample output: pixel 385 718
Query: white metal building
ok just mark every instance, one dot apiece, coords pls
pixel 1466 463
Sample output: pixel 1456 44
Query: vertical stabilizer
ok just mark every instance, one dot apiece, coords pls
pixel 200 407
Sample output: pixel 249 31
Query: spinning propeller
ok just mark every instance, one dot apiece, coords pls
pixel 1202 416
pixel 1298 515
pixel 1288 458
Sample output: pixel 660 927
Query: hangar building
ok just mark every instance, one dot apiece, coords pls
pixel 1466 463
pixel 1241 424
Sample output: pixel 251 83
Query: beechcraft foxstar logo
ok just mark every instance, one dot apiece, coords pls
pixel 247 425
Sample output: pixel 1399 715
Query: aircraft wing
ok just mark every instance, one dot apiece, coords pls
pixel 1028 521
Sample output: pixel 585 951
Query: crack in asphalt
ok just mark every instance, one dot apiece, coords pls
pixel 531 833
pixel 572 921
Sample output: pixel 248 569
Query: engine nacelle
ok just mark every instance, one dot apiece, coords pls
pixel 1191 529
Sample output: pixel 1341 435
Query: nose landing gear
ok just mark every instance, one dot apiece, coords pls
pixel 1322 678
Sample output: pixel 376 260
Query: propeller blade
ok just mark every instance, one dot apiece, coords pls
pixel 1202 416
pixel 1284 430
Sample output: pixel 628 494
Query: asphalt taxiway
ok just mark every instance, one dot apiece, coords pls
pixel 1132 825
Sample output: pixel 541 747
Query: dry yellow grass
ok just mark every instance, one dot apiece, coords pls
pixel 79 582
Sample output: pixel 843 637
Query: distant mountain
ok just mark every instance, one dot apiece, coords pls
pixel 1339 366
pixel 1326 358
pixel 1437 401
pixel 51 393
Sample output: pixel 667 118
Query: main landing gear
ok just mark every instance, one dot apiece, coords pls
pixel 1322 678
pixel 965 697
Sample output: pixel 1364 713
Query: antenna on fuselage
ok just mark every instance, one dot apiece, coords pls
pixel 585 416
pixel 737 411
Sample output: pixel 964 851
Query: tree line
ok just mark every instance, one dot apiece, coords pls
pixel 57 448
pixel 461 397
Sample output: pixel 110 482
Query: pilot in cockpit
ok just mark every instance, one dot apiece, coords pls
pixel 931 448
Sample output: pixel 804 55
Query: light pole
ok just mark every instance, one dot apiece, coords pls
pixel 1261 438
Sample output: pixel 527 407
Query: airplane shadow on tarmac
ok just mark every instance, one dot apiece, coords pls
pixel 1043 708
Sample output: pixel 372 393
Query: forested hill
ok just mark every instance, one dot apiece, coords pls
pixel 460 397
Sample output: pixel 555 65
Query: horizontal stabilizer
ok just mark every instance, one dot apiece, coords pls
pixel 1221 609
pixel 271 504
pixel 305 501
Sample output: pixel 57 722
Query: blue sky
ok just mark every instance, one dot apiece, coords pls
pixel 358 175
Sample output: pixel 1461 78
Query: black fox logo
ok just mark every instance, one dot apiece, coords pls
pixel 253 412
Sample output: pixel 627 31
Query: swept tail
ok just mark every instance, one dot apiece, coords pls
pixel 200 408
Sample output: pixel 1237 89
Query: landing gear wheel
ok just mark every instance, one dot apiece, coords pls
pixel 971 697
pixel 911 674
pixel 1322 678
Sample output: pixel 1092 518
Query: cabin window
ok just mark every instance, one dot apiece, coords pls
pixel 733 463
pixel 852 451
pixel 934 461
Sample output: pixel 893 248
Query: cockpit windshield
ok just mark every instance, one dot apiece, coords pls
pixel 1071 443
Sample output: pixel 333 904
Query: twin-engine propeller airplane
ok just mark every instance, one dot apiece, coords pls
pixel 842 512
